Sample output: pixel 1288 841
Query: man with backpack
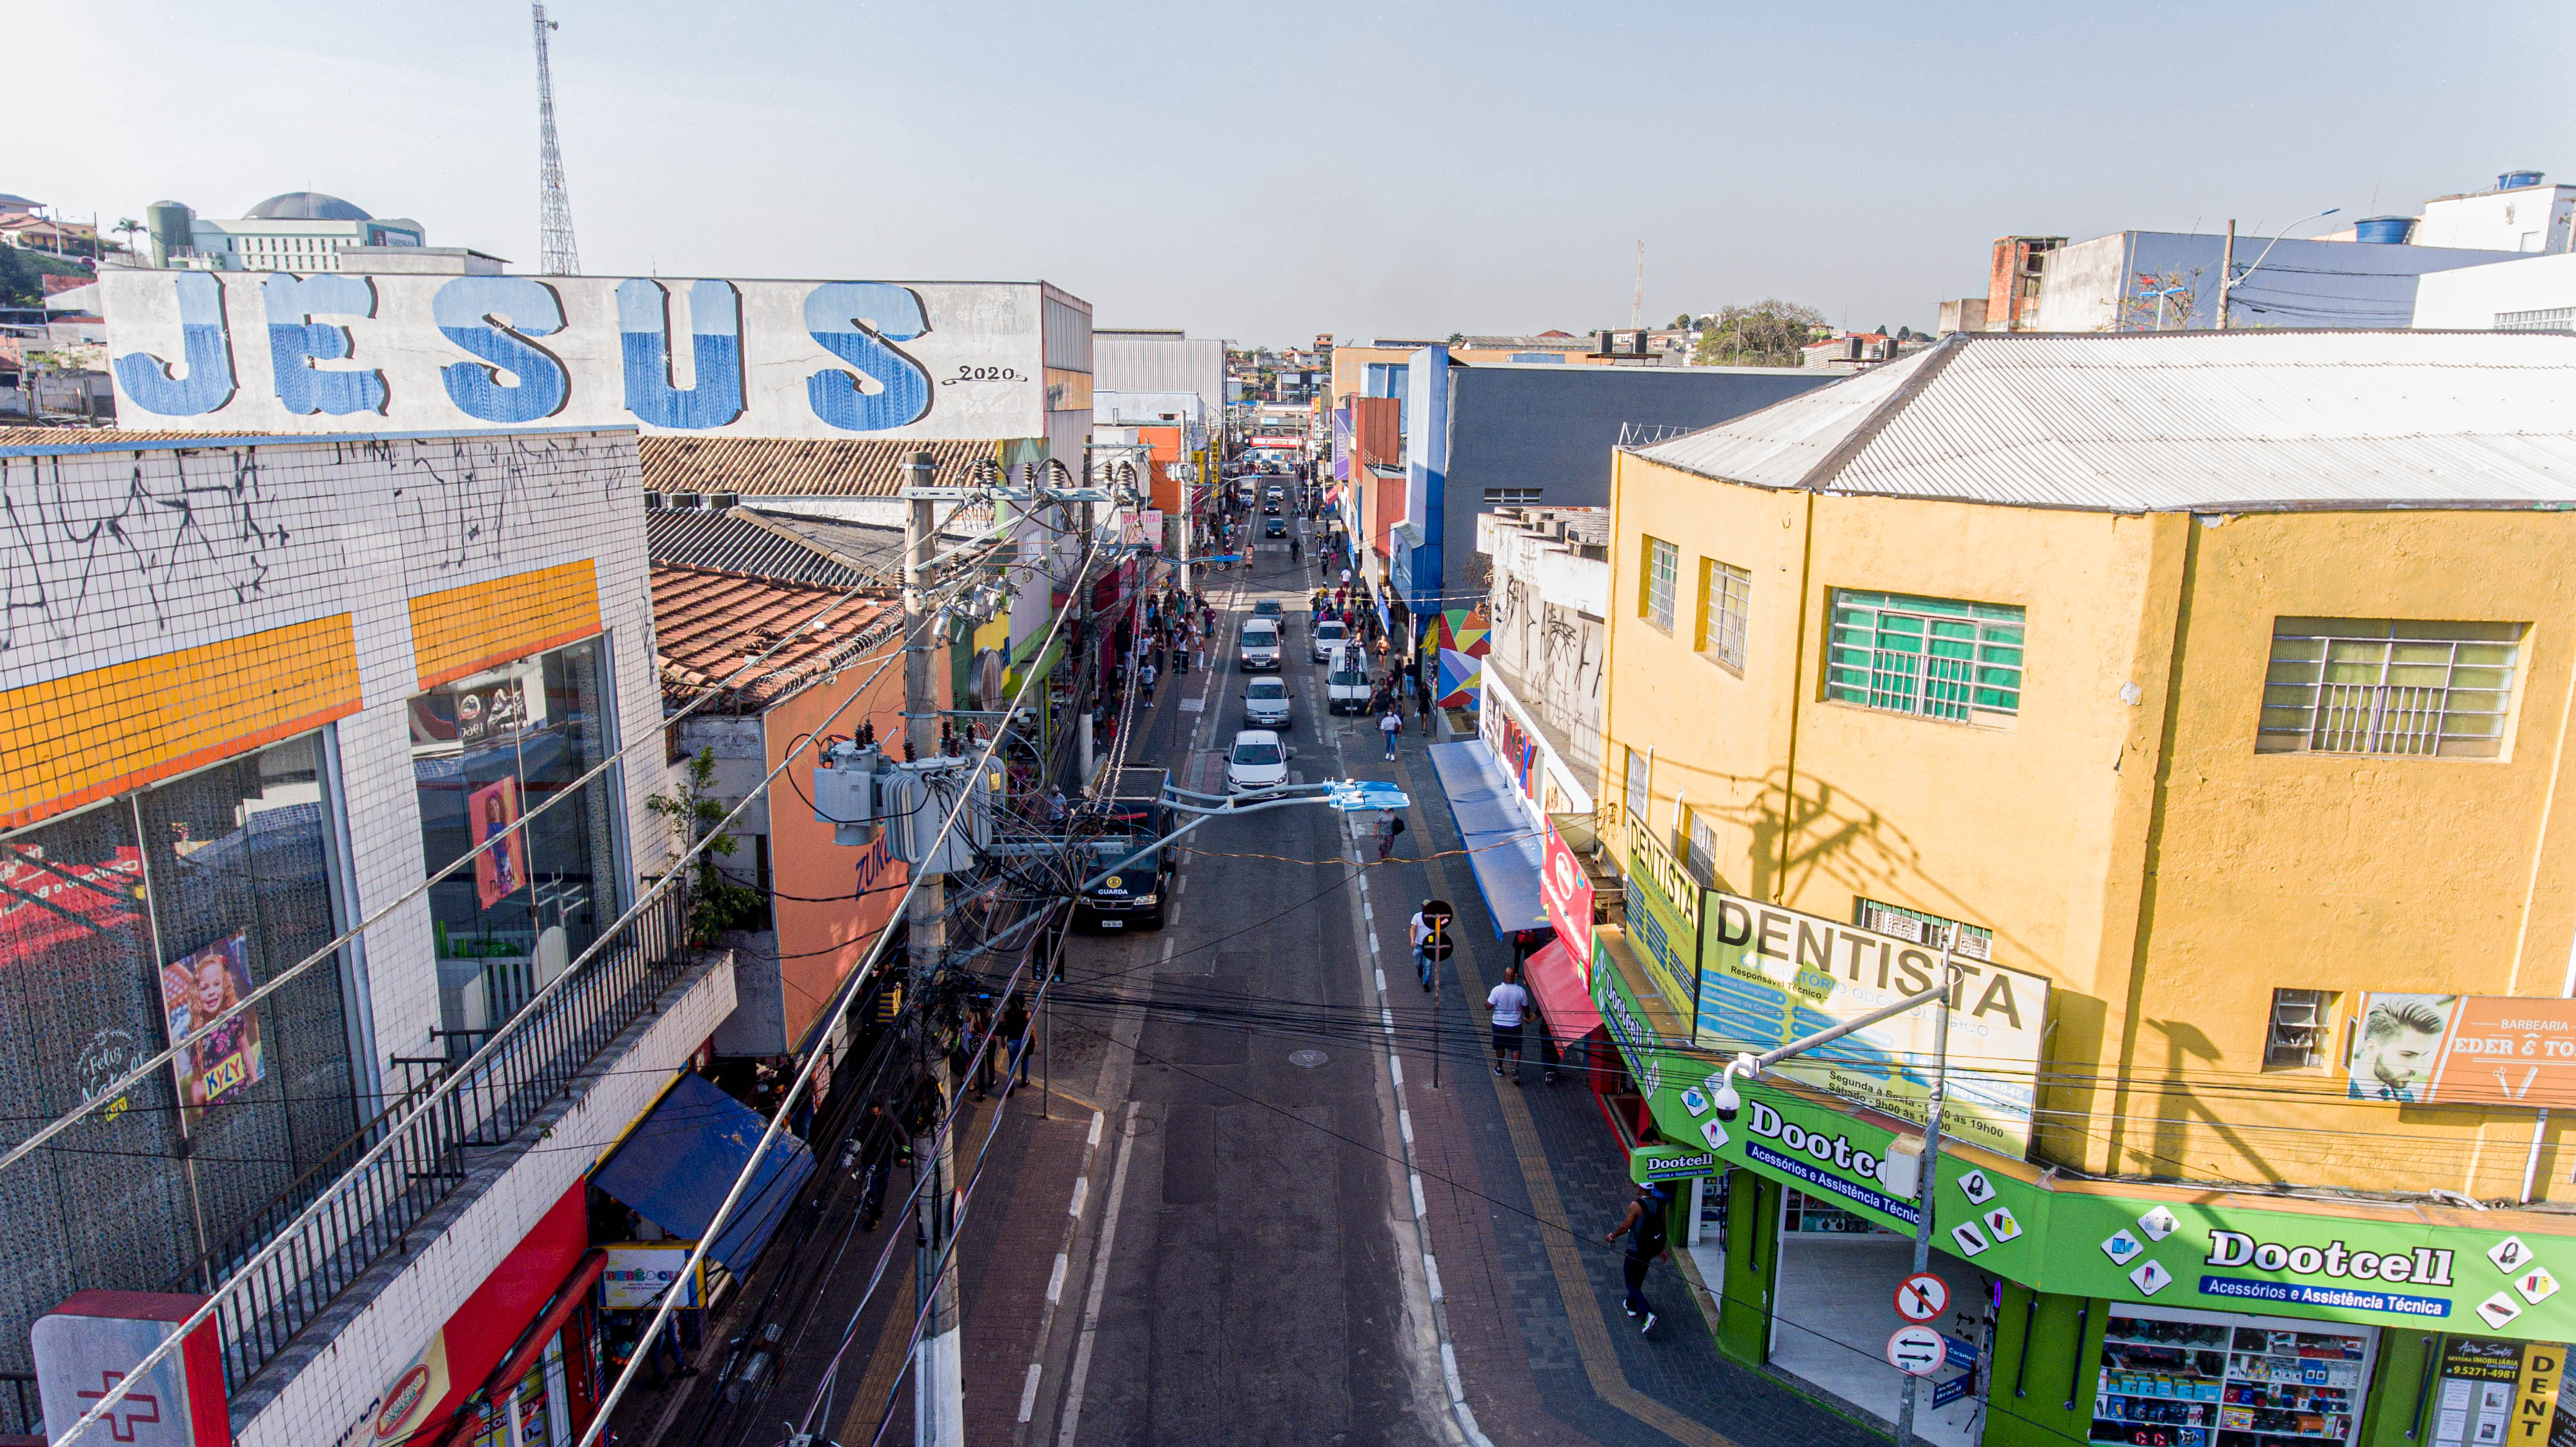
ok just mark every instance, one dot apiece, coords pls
pixel 1645 1226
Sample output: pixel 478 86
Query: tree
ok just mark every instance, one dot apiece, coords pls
pixel 126 226
pixel 716 904
pixel 22 280
pixel 1881 330
pixel 1456 337
pixel 1766 333
pixel 2161 301
pixel 1682 323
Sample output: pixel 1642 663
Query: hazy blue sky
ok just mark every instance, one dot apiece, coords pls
pixel 1267 173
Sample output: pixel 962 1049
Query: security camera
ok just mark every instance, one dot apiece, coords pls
pixel 1726 1100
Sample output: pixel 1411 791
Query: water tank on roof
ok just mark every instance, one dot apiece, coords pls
pixel 2384 230
pixel 2516 180
pixel 172 226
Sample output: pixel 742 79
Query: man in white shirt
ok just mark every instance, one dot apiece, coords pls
pixel 1509 1002
pixel 1432 919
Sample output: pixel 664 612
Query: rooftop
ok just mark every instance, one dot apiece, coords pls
pixel 796 467
pixel 305 206
pixel 739 541
pixel 2199 421
pixel 708 624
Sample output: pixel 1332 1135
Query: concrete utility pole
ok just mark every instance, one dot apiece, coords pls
pixel 938 1391
pixel 2226 272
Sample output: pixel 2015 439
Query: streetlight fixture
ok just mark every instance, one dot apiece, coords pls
pixel 2227 278
pixel 1729 1102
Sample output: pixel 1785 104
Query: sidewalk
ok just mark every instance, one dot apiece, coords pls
pixel 1522 1182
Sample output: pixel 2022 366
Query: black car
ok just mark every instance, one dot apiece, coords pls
pixel 1271 507
pixel 1274 527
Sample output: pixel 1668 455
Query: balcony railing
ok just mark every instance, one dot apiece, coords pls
pixel 371 1206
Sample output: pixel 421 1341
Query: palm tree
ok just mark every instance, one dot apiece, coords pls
pixel 126 227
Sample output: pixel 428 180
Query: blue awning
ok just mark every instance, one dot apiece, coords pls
pixel 677 1164
pixel 1504 848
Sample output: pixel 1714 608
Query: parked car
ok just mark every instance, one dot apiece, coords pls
pixel 1265 703
pixel 1259 650
pixel 1258 761
pixel 1327 634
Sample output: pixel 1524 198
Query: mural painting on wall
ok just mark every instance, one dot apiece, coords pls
pixel 1460 638
pixel 927 360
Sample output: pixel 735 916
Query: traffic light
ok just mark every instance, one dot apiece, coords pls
pixel 1437 919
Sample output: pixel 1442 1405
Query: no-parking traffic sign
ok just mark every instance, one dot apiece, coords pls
pixel 1916 1350
pixel 1922 1297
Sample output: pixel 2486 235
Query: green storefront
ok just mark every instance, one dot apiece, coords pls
pixel 2130 1313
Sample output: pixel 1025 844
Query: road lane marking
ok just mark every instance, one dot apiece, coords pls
pixel 1099 1280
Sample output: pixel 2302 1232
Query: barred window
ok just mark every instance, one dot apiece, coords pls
pixel 2301 1022
pixel 1975 941
pixel 2547 319
pixel 2389 686
pixel 1512 496
pixel 1934 657
pixel 1663 574
pixel 1725 597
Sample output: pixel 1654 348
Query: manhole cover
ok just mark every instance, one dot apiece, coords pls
pixel 1308 1059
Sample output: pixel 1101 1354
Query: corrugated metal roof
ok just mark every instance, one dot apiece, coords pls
pixel 1130 363
pixel 797 467
pixel 875 551
pixel 707 624
pixel 736 540
pixel 2174 421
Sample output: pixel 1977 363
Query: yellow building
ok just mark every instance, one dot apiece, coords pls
pixel 2223 683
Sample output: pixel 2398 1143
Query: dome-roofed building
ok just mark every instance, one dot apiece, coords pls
pixel 307 206
pixel 293 231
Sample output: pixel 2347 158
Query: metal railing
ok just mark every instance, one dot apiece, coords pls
pixel 373 1206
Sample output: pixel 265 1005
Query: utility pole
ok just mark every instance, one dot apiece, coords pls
pixel 2226 272
pixel 1637 304
pixel 938 1397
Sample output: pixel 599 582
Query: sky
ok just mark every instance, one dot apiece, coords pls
pixel 1268 173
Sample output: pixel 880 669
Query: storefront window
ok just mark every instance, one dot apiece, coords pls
pixel 486 751
pixel 127 922
pixel 2213 1379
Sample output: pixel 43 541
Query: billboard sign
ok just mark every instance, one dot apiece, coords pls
pixel 1770 975
pixel 336 352
pixel 2461 1050
pixel 1568 893
pixel 194 991
pixel 1667 929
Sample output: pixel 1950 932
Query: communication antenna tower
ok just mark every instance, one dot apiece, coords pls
pixel 557 256
pixel 1637 306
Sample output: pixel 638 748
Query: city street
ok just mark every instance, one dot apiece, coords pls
pixel 1213 1233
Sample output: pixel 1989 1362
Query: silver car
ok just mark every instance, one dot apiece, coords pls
pixel 1265 703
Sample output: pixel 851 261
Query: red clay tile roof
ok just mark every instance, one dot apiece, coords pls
pixel 707 623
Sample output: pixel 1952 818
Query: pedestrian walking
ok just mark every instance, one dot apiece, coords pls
pixel 1646 1231
pixel 1145 680
pixel 1508 1001
pixel 1390 724
pixel 1430 923
pixel 1424 702
pixel 1389 830
pixel 1202 658
pixel 1015 1033
pixel 1056 808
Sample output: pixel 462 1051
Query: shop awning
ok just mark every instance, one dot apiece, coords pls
pixel 1504 849
pixel 679 1162
pixel 1564 1000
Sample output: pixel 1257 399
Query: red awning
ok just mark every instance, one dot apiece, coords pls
pixel 1564 1003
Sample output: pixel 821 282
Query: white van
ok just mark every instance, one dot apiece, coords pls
pixel 1346 681
pixel 1259 650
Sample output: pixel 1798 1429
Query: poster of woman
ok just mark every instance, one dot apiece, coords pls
pixel 195 990
pixel 498 872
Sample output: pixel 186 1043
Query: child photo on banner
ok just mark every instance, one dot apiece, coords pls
pixel 498 873
pixel 194 991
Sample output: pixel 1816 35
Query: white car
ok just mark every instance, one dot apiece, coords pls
pixel 1260 646
pixel 1328 636
pixel 1258 761
pixel 1265 703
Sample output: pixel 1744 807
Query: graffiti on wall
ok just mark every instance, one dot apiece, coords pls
pixel 745 358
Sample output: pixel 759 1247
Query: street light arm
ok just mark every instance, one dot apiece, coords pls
pixel 1752 1065
pixel 2225 282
